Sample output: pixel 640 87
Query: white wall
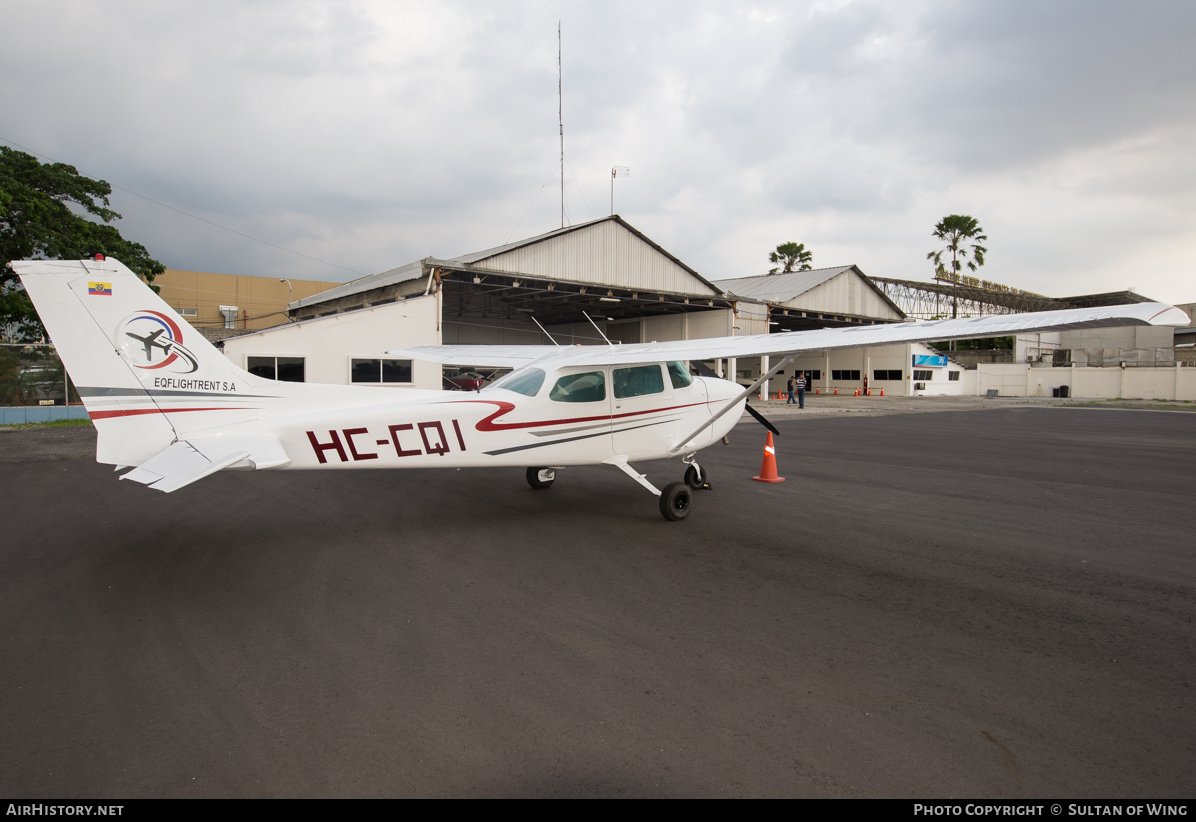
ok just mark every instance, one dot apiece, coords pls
pixel 1027 347
pixel 1142 383
pixel 845 293
pixel 329 343
pixel 867 361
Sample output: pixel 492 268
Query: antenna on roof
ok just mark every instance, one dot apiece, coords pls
pixel 560 110
pixel 616 171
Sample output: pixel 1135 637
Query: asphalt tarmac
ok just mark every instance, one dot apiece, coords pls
pixel 989 603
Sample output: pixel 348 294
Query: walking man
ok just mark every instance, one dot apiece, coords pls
pixel 800 380
pixel 789 385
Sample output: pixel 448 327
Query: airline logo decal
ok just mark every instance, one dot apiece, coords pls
pixel 152 340
pixel 99 289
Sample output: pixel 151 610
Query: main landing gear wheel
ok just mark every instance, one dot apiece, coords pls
pixel 695 478
pixel 675 501
pixel 539 478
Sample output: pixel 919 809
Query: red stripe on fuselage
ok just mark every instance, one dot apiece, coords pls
pixel 488 424
pixel 100 415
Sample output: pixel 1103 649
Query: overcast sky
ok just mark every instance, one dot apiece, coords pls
pixel 368 135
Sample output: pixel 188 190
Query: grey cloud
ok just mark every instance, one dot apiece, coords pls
pixel 373 134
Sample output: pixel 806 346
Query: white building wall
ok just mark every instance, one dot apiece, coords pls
pixel 1141 383
pixel 1039 347
pixel 845 293
pixel 328 344
pixel 867 361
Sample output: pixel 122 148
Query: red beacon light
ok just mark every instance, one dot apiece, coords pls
pixel 99 258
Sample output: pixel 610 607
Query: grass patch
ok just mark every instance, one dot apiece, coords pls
pixel 55 424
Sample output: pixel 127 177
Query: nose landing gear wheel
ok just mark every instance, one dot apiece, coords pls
pixel 540 478
pixel 695 478
pixel 675 501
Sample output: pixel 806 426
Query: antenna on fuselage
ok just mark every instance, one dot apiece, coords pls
pixel 546 334
pixel 596 328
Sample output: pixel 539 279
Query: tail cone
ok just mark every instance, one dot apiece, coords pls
pixel 768 469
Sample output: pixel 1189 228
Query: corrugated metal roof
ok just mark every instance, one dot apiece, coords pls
pixel 415 270
pixel 479 256
pixel 410 271
pixel 779 288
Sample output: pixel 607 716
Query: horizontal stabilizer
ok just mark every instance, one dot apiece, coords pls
pixel 181 464
pixel 185 462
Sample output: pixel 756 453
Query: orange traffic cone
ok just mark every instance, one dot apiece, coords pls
pixel 768 468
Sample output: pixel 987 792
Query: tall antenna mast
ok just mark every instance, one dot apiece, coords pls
pixel 560 109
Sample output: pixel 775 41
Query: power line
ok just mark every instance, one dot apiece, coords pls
pixel 194 217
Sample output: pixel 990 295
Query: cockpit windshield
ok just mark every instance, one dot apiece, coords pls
pixel 679 374
pixel 526 381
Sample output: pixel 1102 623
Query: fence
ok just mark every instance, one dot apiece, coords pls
pixel 22 414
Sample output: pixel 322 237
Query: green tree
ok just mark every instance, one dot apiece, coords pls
pixel 37 222
pixel 792 257
pixel 958 231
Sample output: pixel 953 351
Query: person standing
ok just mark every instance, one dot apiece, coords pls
pixel 791 388
pixel 800 381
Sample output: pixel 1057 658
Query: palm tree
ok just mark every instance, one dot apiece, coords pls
pixel 792 256
pixel 957 231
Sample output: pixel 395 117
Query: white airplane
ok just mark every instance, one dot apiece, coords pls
pixel 170 406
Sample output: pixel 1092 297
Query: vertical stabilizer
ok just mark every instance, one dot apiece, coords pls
pixel 144 374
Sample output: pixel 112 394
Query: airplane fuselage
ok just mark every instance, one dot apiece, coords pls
pixel 497 427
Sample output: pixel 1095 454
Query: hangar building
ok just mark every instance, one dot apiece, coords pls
pixel 631 288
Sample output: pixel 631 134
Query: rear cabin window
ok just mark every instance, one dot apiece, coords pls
pixel 587 387
pixel 638 381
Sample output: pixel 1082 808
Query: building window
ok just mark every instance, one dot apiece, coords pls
pixel 380 371
pixel 923 375
pixel 283 369
pixel 953 376
pixel 845 375
pixel 810 375
pixel 878 375
pixel 188 312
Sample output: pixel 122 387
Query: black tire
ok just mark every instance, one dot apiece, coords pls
pixel 675 501
pixel 540 478
pixel 695 479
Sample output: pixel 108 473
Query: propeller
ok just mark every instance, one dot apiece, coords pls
pixel 760 419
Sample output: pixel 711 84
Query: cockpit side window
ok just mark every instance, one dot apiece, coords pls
pixel 526 382
pixel 637 381
pixel 679 374
pixel 587 387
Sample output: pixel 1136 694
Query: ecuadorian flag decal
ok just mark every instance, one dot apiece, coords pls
pixel 100 289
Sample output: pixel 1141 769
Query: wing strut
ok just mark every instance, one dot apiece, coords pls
pixel 680 444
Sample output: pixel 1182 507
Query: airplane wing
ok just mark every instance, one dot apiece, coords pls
pixel 186 461
pixel 483 356
pixel 796 342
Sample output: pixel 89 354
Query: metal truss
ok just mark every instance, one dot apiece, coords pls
pixel 929 301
